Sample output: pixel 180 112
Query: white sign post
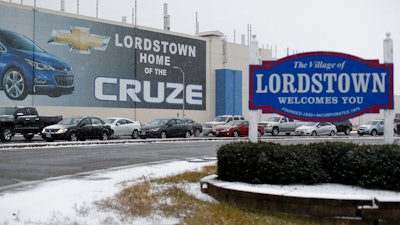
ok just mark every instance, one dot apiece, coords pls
pixel 253 123
pixel 389 113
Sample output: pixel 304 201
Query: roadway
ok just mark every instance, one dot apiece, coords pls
pixel 22 162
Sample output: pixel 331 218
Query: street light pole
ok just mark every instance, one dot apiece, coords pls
pixel 183 92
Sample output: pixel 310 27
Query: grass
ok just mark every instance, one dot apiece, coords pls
pixel 169 197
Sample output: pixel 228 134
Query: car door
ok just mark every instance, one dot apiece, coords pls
pixel 85 128
pixel 96 127
pixel 380 127
pixel 323 129
pixel 120 127
pixel 244 128
pixel 171 128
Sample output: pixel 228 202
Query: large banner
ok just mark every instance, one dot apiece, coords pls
pixel 321 86
pixel 49 59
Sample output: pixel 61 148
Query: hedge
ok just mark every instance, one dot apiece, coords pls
pixel 368 166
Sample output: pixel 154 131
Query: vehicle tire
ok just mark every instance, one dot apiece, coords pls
pixel 275 131
pixel 196 133
pixel 104 136
pixel 163 135
pixel 6 134
pixel 332 133
pixel 314 133
pixel 236 133
pixel 187 134
pixel 135 134
pixel 347 131
pixel 73 136
pixel 28 137
pixel 14 84
pixel 374 133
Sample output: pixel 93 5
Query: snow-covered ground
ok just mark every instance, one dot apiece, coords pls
pixel 70 200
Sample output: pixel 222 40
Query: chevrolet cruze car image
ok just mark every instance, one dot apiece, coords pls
pixel 78 128
pixel 25 69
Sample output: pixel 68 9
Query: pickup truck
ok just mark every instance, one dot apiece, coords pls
pixel 277 124
pixel 23 120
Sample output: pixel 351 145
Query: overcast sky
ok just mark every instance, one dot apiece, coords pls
pixel 356 27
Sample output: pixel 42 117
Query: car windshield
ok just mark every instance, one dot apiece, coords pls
pixel 274 119
pixel 109 120
pixel 70 121
pixel 19 41
pixel 219 119
pixel 372 122
pixel 234 123
pixel 158 122
pixel 310 124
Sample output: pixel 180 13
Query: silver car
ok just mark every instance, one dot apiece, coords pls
pixel 372 127
pixel 316 128
pixel 123 127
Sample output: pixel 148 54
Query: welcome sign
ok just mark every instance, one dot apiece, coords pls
pixel 321 86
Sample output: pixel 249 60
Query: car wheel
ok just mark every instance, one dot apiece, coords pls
pixel 236 133
pixel 275 131
pixel 14 84
pixel 374 133
pixel 332 133
pixel 187 134
pixel 314 133
pixel 197 132
pixel 135 134
pixel 104 136
pixel 163 134
pixel 6 134
pixel 28 137
pixel 73 136
pixel 347 131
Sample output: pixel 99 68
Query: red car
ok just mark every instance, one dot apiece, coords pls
pixel 236 128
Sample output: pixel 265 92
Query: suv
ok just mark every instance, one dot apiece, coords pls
pixel 208 127
pixel 343 126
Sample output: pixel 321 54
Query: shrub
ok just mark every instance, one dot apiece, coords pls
pixel 369 166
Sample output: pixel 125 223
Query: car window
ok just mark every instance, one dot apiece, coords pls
pixel 246 123
pixel 85 121
pixel 109 120
pixel 180 122
pixel 96 121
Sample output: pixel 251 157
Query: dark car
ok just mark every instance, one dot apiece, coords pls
pixel 25 68
pixel 78 128
pixel 197 128
pixel 163 128
pixel 343 126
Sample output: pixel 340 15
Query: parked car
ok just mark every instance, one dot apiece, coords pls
pixel 277 124
pixel 166 127
pixel 197 128
pixel 78 128
pixel 26 68
pixel 343 126
pixel 373 128
pixel 316 129
pixel 23 120
pixel 123 127
pixel 208 127
pixel 236 128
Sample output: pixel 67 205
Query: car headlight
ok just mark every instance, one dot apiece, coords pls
pixel 155 129
pixel 61 131
pixel 39 66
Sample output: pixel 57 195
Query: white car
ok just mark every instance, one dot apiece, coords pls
pixel 316 128
pixel 123 127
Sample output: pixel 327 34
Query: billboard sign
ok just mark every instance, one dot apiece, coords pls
pixel 62 59
pixel 321 86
